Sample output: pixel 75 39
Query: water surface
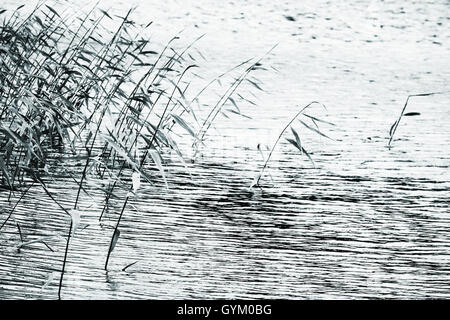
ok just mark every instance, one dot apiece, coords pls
pixel 367 222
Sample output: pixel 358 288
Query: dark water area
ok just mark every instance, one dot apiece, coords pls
pixel 366 222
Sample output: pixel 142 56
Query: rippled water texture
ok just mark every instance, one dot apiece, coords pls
pixel 367 222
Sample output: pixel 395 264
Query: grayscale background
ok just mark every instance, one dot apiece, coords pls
pixel 366 222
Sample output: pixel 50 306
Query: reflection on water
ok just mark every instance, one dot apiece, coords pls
pixel 367 222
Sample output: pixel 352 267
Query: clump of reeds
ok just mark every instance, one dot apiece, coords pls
pixel 104 97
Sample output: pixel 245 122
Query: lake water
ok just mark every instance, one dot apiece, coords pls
pixel 367 222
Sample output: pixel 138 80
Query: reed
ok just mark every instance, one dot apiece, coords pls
pixel 70 86
pixel 394 126
pixel 296 142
